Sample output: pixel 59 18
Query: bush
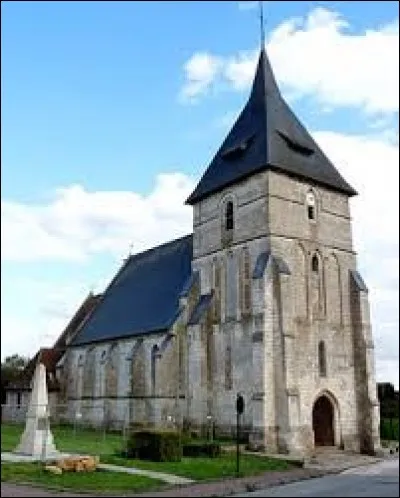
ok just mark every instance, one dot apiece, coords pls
pixel 158 446
pixel 202 449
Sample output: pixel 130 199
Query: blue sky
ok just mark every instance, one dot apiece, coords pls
pixel 112 110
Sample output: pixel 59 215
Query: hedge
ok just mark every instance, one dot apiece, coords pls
pixel 201 449
pixel 155 445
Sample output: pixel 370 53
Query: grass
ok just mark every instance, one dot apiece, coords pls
pixel 91 441
pixel 10 434
pixel 67 440
pixel 207 468
pixel 99 481
pixel 108 448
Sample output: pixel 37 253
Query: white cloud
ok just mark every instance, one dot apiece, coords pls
pixel 52 305
pixel 317 56
pixel 200 71
pixel 370 164
pixel 239 70
pixel 79 226
pixel 18 335
pixel 388 371
pixel 340 68
pixel 77 223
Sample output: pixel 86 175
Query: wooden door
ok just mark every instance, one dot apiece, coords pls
pixel 322 418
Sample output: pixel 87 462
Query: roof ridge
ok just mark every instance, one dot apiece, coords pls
pixel 163 244
pixel 102 296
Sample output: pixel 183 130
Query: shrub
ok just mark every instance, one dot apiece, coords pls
pixel 155 445
pixel 202 449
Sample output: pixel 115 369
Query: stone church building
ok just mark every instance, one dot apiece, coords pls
pixel 263 299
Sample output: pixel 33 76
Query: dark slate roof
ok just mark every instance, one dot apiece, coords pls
pixel 281 265
pixel 193 278
pixel 358 280
pixel 262 261
pixel 201 307
pixel 267 134
pixel 144 295
pixel 261 264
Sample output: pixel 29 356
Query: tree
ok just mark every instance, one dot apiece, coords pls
pixel 389 409
pixel 385 391
pixel 11 370
pixel 389 400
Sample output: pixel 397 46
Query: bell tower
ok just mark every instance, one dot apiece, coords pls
pixel 273 249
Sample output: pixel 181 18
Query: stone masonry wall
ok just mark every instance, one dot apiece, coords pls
pixel 296 239
pixel 276 366
pixel 128 398
pixel 233 334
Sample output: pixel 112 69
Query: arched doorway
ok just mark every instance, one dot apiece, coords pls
pixel 322 420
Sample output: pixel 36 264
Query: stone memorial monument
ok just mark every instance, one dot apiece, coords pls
pixel 37 439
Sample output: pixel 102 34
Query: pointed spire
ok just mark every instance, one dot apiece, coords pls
pixel 264 82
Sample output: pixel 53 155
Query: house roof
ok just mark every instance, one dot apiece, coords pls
pixel 49 358
pixel 144 295
pixel 267 135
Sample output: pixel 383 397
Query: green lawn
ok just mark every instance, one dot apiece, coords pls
pixel 67 440
pixel 206 468
pixel 10 435
pixel 108 448
pixel 98 481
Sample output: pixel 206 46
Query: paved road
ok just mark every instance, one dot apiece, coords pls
pixel 377 480
pixel 14 490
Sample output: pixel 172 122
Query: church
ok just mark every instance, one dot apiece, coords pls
pixel 262 299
